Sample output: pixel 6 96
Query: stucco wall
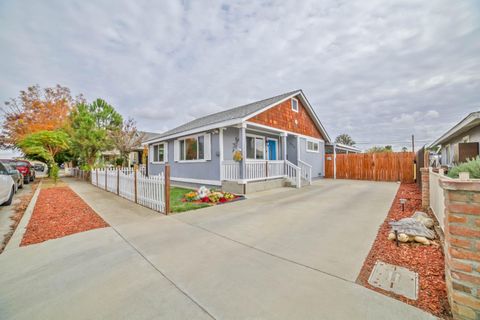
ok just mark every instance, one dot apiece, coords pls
pixel 474 136
pixel 205 170
pixel 315 159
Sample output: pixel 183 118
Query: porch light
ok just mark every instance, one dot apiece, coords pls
pixel 403 201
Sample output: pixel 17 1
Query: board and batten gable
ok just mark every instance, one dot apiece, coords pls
pixel 199 172
pixel 282 116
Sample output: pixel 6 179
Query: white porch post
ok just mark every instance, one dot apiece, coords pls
pixel 220 148
pixel 243 147
pixel 284 145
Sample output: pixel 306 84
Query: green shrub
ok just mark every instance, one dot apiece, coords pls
pixel 54 172
pixel 471 166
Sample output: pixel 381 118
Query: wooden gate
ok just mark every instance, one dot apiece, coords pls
pixel 385 166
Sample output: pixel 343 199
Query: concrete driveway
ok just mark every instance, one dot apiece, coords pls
pixel 281 254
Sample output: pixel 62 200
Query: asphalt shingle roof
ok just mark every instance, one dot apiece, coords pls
pixel 230 114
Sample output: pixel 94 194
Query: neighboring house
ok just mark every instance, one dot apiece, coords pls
pixel 279 138
pixel 339 148
pixel 460 142
pixel 134 157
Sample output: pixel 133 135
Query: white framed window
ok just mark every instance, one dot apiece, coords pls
pixel 159 153
pixel 193 148
pixel 313 146
pixel 255 147
pixel 294 104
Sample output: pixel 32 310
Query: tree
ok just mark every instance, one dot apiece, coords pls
pixel 36 110
pixel 126 139
pixel 45 146
pixel 377 149
pixel 345 139
pixel 91 129
pixel 404 149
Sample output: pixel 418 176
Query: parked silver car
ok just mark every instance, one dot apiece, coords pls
pixel 7 186
pixel 16 175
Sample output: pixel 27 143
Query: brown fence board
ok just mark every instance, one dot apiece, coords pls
pixel 385 166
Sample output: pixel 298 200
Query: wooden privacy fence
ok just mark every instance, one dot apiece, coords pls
pixel 150 191
pixel 385 166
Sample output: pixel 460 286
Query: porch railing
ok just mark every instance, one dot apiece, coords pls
pixel 261 170
pixel 293 173
pixel 306 171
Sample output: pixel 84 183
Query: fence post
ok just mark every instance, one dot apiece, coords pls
pixel 166 185
pixel 135 167
pixel 105 170
pixel 266 168
pixel 118 180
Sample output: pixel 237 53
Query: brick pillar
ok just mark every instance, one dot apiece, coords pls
pixel 425 172
pixel 462 247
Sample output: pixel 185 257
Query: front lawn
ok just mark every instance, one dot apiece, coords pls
pixel 176 204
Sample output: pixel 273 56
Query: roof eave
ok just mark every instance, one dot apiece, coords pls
pixel 195 130
pixel 472 117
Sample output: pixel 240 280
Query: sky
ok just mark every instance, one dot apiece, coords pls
pixel 377 70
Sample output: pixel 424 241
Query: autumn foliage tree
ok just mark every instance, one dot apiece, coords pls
pixel 127 138
pixel 36 110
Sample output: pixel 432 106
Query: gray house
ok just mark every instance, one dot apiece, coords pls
pixel 460 142
pixel 263 144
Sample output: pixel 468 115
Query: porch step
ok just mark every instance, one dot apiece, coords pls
pixel 292 184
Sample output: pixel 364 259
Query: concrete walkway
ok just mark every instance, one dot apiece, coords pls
pixel 283 254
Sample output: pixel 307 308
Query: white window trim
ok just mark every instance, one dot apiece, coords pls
pixel 255 146
pixel 195 136
pixel 165 153
pixel 291 102
pixel 276 147
pixel 312 141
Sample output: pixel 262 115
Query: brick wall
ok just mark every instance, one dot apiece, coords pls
pixel 462 247
pixel 283 117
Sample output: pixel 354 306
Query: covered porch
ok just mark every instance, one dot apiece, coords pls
pixel 266 154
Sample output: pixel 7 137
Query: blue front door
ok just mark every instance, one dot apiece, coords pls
pixel 272 149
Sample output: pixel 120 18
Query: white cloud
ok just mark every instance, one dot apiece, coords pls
pixel 376 69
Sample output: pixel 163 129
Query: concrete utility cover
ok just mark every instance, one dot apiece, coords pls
pixel 395 279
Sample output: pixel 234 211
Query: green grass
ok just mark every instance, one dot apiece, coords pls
pixel 176 204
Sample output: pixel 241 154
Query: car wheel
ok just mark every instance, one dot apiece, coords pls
pixel 20 184
pixel 9 201
pixel 32 178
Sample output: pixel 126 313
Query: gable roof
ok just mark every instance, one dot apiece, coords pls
pixel 470 121
pixel 237 115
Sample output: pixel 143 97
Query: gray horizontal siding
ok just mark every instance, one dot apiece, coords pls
pixel 207 170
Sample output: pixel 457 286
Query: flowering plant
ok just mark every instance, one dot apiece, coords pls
pixel 191 196
pixel 203 192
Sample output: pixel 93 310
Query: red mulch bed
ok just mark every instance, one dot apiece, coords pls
pixel 59 212
pixel 427 261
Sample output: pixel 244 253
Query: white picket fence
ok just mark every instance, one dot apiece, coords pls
pixel 133 185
